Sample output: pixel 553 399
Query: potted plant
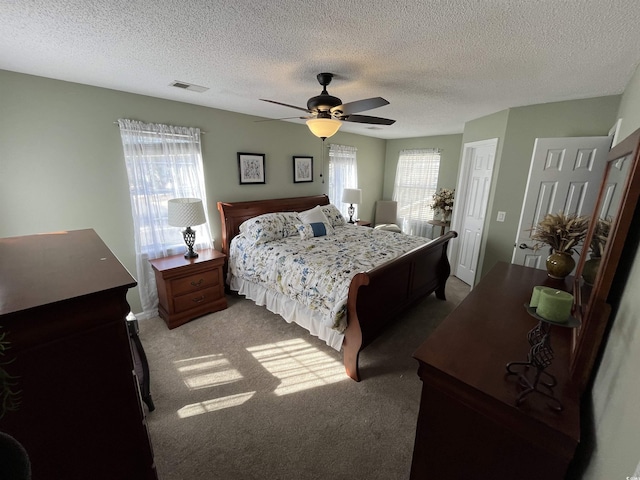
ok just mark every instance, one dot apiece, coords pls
pixel 443 203
pixel 562 233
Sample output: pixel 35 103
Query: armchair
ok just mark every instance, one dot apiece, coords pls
pixel 386 216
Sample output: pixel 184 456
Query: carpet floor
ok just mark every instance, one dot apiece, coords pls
pixel 241 394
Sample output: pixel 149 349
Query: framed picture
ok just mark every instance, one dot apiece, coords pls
pixel 251 168
pixel 302 169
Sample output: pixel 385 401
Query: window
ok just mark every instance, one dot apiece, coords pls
pixel 416 182
pixel 343 173
pixel 163 162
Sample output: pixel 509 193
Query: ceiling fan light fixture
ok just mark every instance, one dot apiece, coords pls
pixel 323 127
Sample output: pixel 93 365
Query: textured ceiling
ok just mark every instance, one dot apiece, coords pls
pixel 439 63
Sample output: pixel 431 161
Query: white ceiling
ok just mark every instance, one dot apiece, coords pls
pixel 440 63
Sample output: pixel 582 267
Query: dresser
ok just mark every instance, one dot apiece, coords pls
pixel 469 425
pixel 189 287
pixel 63 308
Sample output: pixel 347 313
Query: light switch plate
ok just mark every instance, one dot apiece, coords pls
pixel 501 216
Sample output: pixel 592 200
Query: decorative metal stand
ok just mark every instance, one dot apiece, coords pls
pixel 540 357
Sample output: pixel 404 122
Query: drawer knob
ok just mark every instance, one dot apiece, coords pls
pixel 198 299
pixel 198 283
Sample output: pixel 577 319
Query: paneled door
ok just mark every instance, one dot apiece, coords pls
pixel 564 175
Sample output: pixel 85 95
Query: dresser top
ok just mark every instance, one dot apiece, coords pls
pixel 489 329
pixel 38 270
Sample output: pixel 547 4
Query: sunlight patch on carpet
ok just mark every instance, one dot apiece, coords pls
pixel 298 365
pixel 214 404
pixel 207 371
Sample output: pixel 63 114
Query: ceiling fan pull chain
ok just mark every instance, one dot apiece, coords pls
pixel 322 159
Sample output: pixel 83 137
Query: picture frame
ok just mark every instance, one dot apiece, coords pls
pixel 251 168
pixel 302 169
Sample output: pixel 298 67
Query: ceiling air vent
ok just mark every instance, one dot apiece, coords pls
pixel 188 86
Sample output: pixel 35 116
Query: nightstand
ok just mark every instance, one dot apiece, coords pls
pixel 189 288
pixel 363 223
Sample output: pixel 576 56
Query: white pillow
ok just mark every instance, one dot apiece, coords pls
pixel 333 214
pixel 314 215
pixel 315 229
pixel 270 226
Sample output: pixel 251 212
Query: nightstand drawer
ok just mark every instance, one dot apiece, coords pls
pixel 196 299
pixel 194 283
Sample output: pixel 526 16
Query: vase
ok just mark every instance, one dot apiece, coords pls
pixel 560 264
pixel 446 214
pixel 590 269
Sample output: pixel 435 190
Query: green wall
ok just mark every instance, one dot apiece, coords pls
pixel 630 107
pixel 62 165
pixel 516 130
pixel 484 128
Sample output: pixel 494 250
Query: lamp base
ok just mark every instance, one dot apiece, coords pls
pixel 189 236
pixel 191 254
pixel 351 211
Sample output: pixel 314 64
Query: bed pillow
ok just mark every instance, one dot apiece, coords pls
pixel 314 215
pixel 333 214
pixel 316 229
pixel 270 226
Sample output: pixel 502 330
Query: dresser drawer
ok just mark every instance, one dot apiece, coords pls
pixel 196 299
pixel 194 283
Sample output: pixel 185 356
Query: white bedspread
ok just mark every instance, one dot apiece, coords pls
pixel 307 281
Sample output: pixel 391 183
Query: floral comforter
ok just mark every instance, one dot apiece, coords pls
pixel 317 271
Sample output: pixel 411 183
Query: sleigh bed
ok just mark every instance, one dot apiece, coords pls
pixel 375 297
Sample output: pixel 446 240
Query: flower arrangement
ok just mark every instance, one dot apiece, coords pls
pixel 600 235
pixel 561 232
pixel 443 200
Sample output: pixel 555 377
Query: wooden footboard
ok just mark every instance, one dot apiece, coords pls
pixel 378 296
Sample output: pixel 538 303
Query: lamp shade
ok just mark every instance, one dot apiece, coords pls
pixel 352 195
pixel 323 127
pixel 186 212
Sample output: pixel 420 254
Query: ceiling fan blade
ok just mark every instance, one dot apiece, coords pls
pixel 286 105
pixel 359 106
pixel 368 119
pixel 284 118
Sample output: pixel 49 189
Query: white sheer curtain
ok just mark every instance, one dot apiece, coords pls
pixel 343 173
pixel 416 182
pixel 162 162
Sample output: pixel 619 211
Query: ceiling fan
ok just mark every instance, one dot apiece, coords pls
pixel 326 111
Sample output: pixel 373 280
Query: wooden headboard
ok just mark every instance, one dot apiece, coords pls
pixel 233 214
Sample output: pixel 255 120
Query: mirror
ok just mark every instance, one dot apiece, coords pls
pixel 602 223
pixel 615 207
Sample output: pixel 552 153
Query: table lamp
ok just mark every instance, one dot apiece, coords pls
pixel 186 212
pixel 351 196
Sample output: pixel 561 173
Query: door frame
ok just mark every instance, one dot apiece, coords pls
pixel 461 200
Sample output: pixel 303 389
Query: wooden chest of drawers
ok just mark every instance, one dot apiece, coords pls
pixel 62 308
pixel 189 288
pixel 469 425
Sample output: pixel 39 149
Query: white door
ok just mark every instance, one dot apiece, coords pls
pixel 473 193
pixel 564 175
